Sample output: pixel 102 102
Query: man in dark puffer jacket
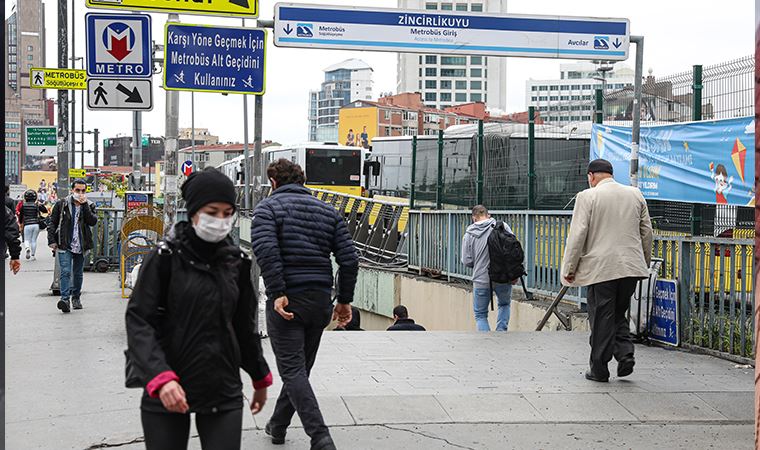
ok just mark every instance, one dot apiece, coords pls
pixel 293 235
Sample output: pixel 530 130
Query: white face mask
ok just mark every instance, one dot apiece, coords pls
pixel 213 229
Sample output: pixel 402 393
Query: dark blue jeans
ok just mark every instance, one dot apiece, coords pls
pixel 72 273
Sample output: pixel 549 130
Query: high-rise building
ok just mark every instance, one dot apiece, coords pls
pixel 446 80
pixel 24 106
pixel 571 97
pixel 345 82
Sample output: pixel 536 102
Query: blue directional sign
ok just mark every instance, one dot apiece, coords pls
pixel 450 32
pixel 119 45
pixel 214 59
pixel 664 317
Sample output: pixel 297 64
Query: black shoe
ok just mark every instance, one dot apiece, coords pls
pixel 591 377
pixel 63 305
pixel 326 443
pixel 276 438
pixel 76 303
pixel 625 367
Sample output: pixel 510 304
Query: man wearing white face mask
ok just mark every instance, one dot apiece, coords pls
pixel 190 326
pixel 70 236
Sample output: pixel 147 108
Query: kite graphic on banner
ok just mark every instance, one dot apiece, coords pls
pixel 695 162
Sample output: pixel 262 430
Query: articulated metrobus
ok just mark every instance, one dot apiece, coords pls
pixel 327 166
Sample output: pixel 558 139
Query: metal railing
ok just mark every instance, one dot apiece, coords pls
pixel 715 275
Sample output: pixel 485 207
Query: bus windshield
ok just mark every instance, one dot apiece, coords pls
pixel 333 167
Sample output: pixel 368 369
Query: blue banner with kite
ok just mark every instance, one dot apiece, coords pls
pixel 696 162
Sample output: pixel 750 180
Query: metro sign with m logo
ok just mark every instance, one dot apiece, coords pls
pixel 119 45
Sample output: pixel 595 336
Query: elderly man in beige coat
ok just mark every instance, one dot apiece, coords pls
pixel 608 249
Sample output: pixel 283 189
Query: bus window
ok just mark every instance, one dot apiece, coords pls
pixel 333 167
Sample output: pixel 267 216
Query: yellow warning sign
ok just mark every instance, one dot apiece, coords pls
pixel 42 78
pixel 77 173
pixel 242 8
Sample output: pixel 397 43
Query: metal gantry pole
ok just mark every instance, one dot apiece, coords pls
pixel 170 153
pixel 73 94
pixel 63 102
pixel 246 153
pixel 636 129
pixel 192 128
pixel 136 150
pixel 531 158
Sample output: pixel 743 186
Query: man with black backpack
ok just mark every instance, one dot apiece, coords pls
pixel 496 257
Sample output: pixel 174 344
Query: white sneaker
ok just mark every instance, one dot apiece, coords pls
pixel 28 253
pixel 34 258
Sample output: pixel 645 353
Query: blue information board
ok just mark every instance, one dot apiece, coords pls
pixel 214 59
pixel 664 318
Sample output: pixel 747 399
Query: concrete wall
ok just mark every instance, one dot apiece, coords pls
pixel 439 305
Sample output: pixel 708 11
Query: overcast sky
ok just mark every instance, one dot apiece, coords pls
pixel 679 33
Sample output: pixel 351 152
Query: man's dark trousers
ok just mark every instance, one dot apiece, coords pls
pixel 295 344
pixel 608 303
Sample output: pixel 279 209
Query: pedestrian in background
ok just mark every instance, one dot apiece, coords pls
pixel 30 220
pixel 190 325
pixel 402 322
pixel 609 249
pixel 12 241
pixel 70 237
pixel 293 235
pixel 475 254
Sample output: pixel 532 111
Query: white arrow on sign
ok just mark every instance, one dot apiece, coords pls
pixel 119 94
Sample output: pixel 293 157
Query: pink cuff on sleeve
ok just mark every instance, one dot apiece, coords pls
pixel 264 382
pixel 159 381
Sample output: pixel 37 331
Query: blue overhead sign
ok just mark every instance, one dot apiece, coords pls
pixel 385 29
pixel 214 59
pixel 119 45
pixel 664 318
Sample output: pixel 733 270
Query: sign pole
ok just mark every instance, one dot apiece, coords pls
pixel 136 150
pixel 73 153
pixel 636 129
pixel 170 153
pixel 192 128
pixel 63 102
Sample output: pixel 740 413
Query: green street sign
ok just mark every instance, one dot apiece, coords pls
pixel 41 141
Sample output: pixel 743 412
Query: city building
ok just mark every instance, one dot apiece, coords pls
pixel 215 154
pixel 24 106
pixel 202 137
pixel 571 97
pixel 345 82
pixel 446 80
pixel 118 151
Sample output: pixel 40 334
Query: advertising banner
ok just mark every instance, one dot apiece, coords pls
pixel 709 162
pixel 357 126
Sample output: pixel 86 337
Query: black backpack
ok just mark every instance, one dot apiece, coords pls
pixel 506 254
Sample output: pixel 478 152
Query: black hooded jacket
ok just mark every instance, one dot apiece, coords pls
pixel 204 330
pixel 12 240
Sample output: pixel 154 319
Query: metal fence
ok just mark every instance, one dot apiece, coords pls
pixel 715 275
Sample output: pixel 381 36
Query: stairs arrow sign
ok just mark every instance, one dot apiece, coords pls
pixel 133 96
pixel 617 43
pixel 288 29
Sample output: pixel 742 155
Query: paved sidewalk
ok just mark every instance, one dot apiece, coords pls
pixel 378 390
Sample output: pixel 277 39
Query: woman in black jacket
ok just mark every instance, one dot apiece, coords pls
pixel 30 218
pixel 190 326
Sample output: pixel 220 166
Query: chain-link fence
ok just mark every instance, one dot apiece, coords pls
pixel 448 175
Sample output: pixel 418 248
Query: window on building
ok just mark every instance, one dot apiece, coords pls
pixel 420 72
pixel 387 114
pixel 461 7
pixel 30 57
pixel 542 99
pixel 430 84
pixel 30 48
pixel 534 99
pixel 553 98
pixel 419 84
pixel 534 88
pixel 461 85
pixel 430 96
pixel 445 96
pixel 575 87
pixel 461 97
pixel 476 73
pixel 453 73
pixel 446 7
pixel 575 97
pixel 554 108
pixel 12 58
pixel 564 87
pixel 564 97
pixel 453 60
pixel 476 85
pixel 431 71
pixel 476 97
pixel 431 6
pixel 420 59
pixel 445 84
pixel 586 86
pixel 476 7
pixel 430 59
pixel 586 117
pixel 543 88
pixel 554 87
pixel 586 97
pixel 476 60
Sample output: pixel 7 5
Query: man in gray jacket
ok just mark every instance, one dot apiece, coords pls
pixel 475 255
